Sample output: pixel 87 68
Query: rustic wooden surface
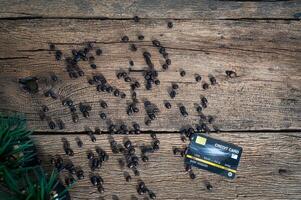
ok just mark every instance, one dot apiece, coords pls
pixel 265 55
pixel 187 9
pixel 259 110
pixel 258 175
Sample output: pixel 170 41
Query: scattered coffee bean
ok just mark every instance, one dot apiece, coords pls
pixel 116 92
pixel 192 175
pixel 164 66
pixel 213 80
pixel 175 86
pixel 58 55
pixel 131 63
pixel 51 124
pixel 60 124
pixel 125 39
pixel 79 142
pixel 231 74
pixel 172 94
pixel 100 188
pixel 140 37
pixel 169 24
pixel 98 52
pixel 103 116
pixel 136 18
pixel 168 61
pixel 144 158
pixel 75 118
pixel 167 105
pixel 45 108
pixel 80 174
pixel 205 86
pixel 127 177
pixel 209 186
pixel 133 47
pixel 156 43
pixel 93 66
pixel 182 73
pixel 51 46
pixel 151 195
pixel 103 104
pixel 198 78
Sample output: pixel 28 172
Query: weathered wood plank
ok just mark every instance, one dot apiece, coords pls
pixel 265 55
pixel 258 174
pixel 196 9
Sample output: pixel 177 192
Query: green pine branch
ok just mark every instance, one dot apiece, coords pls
pixel 17 180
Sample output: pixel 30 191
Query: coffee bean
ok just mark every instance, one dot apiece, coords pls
pixel 144 158
pixel 209 186
pixel 162 50
pixel 127 79
pixel 93 66
pixel 140 37
pixel 136 19
pixel 210 119
pixel 192 175
pixel 175 86
pixel 100 189
pixel 97 131
pixel 86 114
pixel 60 124
pixel 168 61
pixel 51 124
pixel 198 78
pixel 136 172
pixel 103 104
pixel 75 118
pixel 167 105
pixel 127 177
pixel 116 93
pixel 90 155
pixel 148 122
pixel 127 144
pixel 125 39
pixel 51 46
pixel 172 94
pixel 157 82
pixel 80 174
pixel 58 55
pixel 133 47
pixel 98 52
pixel 103 116
pixel 204 100
pixel 164 66
pixel 151 195
pixel 131 63
pixel 79 142
pixel 156 43
pixel 199 109
pixel 213 80
pixel 169 24
pixel 205 86
pixel 45 108
pixel 183 111
pixel 136 126
pixel 182 73
pixel 231 74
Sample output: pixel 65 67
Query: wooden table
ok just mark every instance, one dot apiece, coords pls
pixel 260 109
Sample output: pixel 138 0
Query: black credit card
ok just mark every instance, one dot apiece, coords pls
pixel 213 155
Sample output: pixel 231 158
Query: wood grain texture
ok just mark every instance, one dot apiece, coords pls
pixel 195 9
pixel 266 55
pixel 258 174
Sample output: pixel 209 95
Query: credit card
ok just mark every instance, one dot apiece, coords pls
pixel 214 155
